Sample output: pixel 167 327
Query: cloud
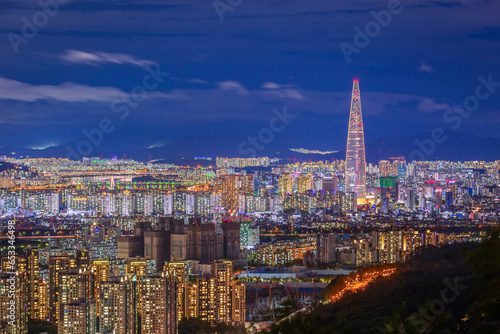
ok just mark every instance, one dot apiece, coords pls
pixel 427 105
pixel 233 86
pixel 157 144
pixel 282 94
pixel 66 92
pixel 233 100
pixel 198 81
pixel 227 100
pixel 96 58
pixel 425 68
pixel 191 81
pixel 70 92
pixel 272 91
pixel 173 95
pixel 273 85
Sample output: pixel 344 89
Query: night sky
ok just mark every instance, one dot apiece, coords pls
pixel 230 67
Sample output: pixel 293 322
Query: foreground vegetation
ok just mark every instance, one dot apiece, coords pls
pixel 451 289
pixel 197 326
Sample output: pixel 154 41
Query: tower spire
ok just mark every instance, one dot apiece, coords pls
pixel 355 168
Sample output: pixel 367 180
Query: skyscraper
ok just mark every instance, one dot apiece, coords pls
pixel 355 170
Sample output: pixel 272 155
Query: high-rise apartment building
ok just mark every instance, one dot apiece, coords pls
pixel 326 248
pixel 179 270
pixel 138 269
pixel 159 311
pixel 361 253
pixel 76 284
pixel 220 299
pixel 349 203
pixel 329 183
pixel 13 300
pixel 249 235
pixel 384 167
pixel 101 271
pixel 231 235
pixel 33 281
pixel 78 317
pixel 285 184
pixel 213 297
pixel 304 182
pixel 57 265
pixel 238 298
pixel 204 244
pixel 43 288
pixel 230 186
pixel 388 246
pixel 118 306
pixel 157 246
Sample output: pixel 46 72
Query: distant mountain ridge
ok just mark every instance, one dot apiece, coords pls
pixel 456 147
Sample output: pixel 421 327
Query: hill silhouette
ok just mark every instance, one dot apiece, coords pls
pixel 450 289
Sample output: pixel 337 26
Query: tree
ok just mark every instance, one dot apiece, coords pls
pixel 36 326
pixel 198 326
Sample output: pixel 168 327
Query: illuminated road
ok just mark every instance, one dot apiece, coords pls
pixel 357 285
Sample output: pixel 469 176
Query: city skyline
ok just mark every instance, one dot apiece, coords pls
pixel 211 166
pixel 103 245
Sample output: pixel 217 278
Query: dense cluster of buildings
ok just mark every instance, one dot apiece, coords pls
pixel 173 240
pixel 84 296
pixel 180 231
pixel 394 185
pixel 282 253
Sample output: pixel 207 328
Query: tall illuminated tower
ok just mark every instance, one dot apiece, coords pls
pixel 355 168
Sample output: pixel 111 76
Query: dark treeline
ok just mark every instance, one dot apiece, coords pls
pixel 197 326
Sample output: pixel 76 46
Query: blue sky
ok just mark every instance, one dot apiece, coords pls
pixel 226 76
